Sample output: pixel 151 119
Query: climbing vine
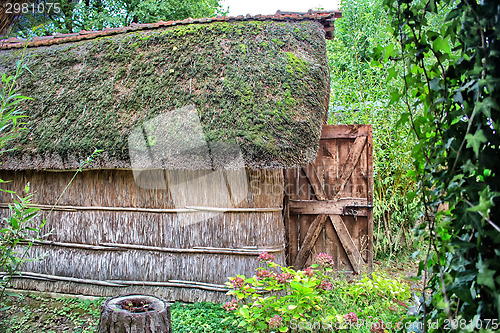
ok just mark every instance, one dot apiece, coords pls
pixel 450 51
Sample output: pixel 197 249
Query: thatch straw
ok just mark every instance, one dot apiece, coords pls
pixel 201 246
pixel 261 87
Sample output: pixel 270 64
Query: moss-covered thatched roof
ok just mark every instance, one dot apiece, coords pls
pixel 261 86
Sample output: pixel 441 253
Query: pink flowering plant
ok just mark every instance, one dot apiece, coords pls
pixel 276 295
pixel 281 299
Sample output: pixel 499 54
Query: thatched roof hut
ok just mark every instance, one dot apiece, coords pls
pixel 196 119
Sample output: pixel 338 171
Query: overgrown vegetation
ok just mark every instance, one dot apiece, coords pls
pixel 360 95
pixel 280 299
pixel 41 314
pixel 72 16
pixel 451 95
pixel 17 232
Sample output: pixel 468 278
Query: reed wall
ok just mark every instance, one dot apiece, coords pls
pixel 164 232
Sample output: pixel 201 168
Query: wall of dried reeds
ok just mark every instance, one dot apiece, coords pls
pixel 162 232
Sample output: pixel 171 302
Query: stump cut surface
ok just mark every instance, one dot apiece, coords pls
pixel 135 314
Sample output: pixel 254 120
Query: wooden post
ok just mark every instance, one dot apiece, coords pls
pixel 135 313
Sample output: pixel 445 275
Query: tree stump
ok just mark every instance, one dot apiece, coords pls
pixel 135 313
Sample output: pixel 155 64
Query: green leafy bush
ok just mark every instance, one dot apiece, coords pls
pixel 280 299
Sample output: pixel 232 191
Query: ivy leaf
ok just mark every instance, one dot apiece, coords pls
pixel 441 45
pixel 475 140
pixel 434 84
pixel 485 202
pixel 468 167
pixel 485 277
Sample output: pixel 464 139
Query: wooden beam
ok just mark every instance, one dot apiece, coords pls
pixel 331 164
pixel 345 238
pixel 291 222
pixel 369 167
pixel 309 241
pixel 345 131
pixel 315 182
pixel 313 207
pixel 350 164
pixel 186 209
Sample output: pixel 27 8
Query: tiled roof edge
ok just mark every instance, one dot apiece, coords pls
pixel 326 18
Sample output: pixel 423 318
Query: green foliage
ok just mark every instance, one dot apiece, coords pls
pixel 17 232
pixel 280 299
pixel 289 295
pixel 75 16
pixel 10 98
pixel 360 94
pixel 201 317
pixel 451 93
pixel 17 235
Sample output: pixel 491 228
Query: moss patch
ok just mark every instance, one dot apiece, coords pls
pixel 261 85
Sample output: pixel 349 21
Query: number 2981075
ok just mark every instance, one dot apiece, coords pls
pixel 19 8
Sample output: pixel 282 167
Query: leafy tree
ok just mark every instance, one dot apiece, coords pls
pixel 452 95
pixel 75 15
pixel 360 94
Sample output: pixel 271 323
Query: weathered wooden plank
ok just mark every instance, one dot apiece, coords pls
pixel 309 240
pixel 315 181
pixel 347 242
pixel 291 221
pixel 331 161
pixel 304 221
pixel 309 207
pixel 185 209
pixel 364 241
pixel 345 131
pixel 369 153
pixel 318 169
pixel 350 164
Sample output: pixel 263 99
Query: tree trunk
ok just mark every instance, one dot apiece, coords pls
pixel 135 313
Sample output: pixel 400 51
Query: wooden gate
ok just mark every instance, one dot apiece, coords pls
pixel 328 203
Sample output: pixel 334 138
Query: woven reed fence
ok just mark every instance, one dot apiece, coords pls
pixel 110 236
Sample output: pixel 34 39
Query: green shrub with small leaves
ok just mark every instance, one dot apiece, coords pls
pixel 280 299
